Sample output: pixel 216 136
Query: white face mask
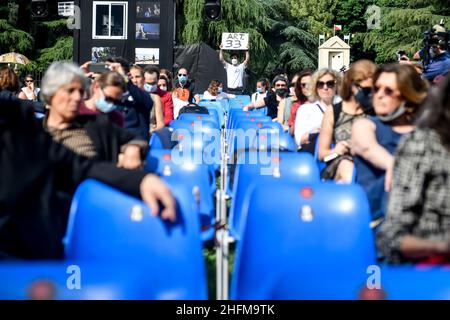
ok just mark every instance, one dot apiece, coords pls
pixel 234 62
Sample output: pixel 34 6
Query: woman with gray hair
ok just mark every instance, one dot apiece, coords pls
pixel 93 136
pixel 323 88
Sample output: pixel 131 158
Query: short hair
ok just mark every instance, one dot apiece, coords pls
pixel 265 82
pixel 412 88
pixel 124 63
pixel 8 79
pixel 279 78
pixel 112 78
pixel 138 68
pixel 59 74
pixel 315 78
pixel 359 71
pixel 151 70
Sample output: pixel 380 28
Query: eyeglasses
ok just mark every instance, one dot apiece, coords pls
pixel 386 91
pixel 330 84
pixel 280 85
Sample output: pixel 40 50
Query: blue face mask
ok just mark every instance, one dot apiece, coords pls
pixel 104 106
pixel 259 90
pixel 182 79
pixel 150 87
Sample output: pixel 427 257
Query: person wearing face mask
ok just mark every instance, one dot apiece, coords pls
pixel 91 134
pixel 262 86
pixel 273 97
pixel 335 133
pixel 235 71
pixel 397 92
pixel 184 91
pixel 152 78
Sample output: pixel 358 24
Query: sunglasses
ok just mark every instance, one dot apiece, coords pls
pixel 330 84
pixel 29 81
pixel 387 91
pixel 180 75
pixel 117 102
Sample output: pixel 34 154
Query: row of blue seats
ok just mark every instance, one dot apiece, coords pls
pixel 297 246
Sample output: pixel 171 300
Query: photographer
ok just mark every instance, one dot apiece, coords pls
pixel 435 56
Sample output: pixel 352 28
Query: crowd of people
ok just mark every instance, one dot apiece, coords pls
pixel 383 127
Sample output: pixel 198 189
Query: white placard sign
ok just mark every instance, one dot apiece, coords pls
pixel 235 41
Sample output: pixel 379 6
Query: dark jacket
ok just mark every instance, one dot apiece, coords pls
pixel 32 169
pixel 137 111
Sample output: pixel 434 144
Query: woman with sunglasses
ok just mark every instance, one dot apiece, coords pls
pixel 90 135
pixel 335 134
pixel 417 227
pixel 398 91
pixel 301 97
pixel 308 121
pixel 29 92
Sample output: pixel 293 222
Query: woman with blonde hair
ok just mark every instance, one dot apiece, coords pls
pixel 324 84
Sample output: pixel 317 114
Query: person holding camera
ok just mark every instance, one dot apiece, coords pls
pixel 436 52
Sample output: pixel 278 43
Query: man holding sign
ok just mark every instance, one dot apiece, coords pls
pixel 235 70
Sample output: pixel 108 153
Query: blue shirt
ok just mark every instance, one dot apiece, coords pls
pixel 440 65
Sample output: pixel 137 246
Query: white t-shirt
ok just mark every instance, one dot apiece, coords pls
pixel 220 96
pixel 258 96
pixel 235 75
pixel 309 118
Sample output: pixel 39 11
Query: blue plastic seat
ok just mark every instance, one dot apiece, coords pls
pixel 311 241
pixel 262 169
pixel 107 226
pixel 415 283
pixel 192 117
pixel 268 140
pixel 97 281
pixel 198 178
pixel 245 99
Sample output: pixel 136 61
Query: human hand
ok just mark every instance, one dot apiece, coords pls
pixel 130 158
pixel 342 147
pixel 153 191
pixel 85 66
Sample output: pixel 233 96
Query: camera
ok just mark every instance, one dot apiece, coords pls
pixel 436 36
pixel 98 67
pixel 401 55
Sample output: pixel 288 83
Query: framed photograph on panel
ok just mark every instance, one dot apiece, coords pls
pixel 100 54
pixel 147 56
pixel 148 9
pixel 147 31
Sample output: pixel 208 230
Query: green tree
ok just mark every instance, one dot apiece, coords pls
pixel 402 26
pixel 320 14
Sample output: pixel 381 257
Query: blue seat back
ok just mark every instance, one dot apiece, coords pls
pixel 415 282
pixel 264 168
pixel 97 281
pixel 312 241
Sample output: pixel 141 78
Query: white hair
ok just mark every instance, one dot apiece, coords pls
pixel 59 74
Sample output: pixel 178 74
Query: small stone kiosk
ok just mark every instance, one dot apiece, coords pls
pixel 335 54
